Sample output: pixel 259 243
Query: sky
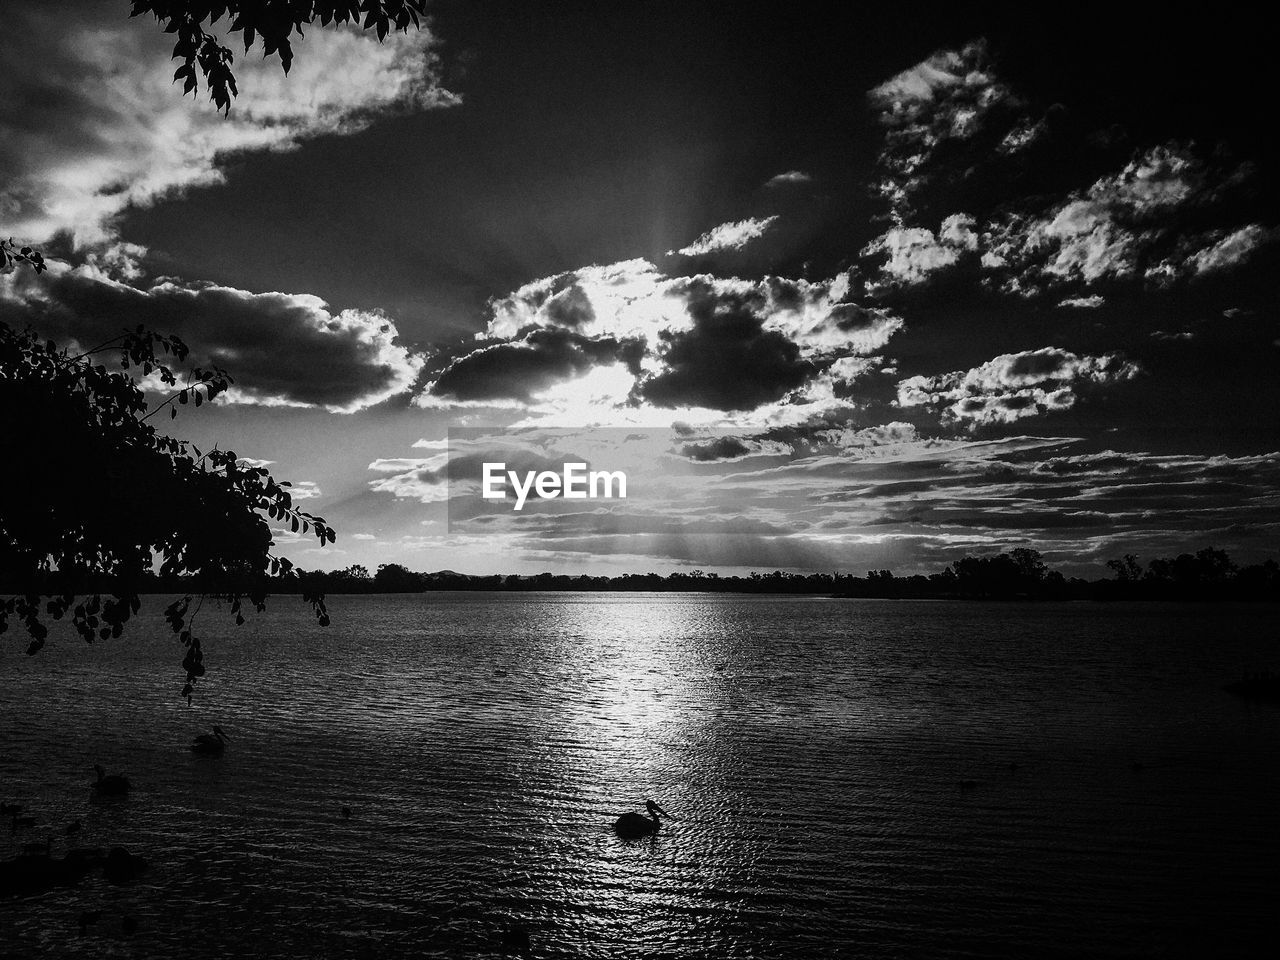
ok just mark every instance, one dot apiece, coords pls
pixel 864 293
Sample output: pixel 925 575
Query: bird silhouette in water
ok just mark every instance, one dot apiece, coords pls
pixel 109 786
pixel 210 744
pixel 632 826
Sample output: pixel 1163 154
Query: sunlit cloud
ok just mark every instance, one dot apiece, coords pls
pixel 788 178
pixel 1014 385
pixel 727 236
pixel 614 343
pixel 122 135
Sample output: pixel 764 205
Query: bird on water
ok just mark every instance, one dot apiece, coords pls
pixel 210 744
pixel 632 826
pixel 109 786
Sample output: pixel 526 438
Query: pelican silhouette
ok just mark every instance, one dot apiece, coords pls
pixel 210 745
pixel 632 826
pixel 109 786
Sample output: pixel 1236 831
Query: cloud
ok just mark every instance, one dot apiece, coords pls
pixel 946 92
pixel 913 253
pixel 1083 303
pixel 280 348
pixel 519 369
pixel 1014 385
pixel 1022 136
pixel 1131 225
pixel 951 122
pixel 727 360
pixel 855 497
pixel 1231 250
pixel 947 98
pixel 729 448
pixel 627 338
pixel 1102 233
pixel 1214 253
pixel 93 124
pixel 727 236
pixel 788 178
pixel 626 299
pixel 423 479
pixel 305 490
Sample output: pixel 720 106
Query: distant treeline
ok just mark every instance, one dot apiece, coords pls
pixel 1020 574
pixel 1209 574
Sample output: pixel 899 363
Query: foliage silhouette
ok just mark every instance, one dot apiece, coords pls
pixel 274 24
pixel 95 496
pixel 1020 574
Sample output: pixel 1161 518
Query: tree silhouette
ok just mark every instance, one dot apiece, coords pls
pixel 94 495
pixel 114 496
pixel 273 23
pixel 1127 568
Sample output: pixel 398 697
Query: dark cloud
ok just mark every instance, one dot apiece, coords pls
pixel 570 307
pixel 280 348
pixel 727 361
pixel 518 369
pixel 727 448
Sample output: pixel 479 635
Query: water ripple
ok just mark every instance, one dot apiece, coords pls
pixel 874 779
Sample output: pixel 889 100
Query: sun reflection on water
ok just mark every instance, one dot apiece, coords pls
pixel 641 730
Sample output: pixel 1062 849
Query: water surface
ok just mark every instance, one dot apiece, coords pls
pixel 846 779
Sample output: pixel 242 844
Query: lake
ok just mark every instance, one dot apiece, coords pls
pixel 844 779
